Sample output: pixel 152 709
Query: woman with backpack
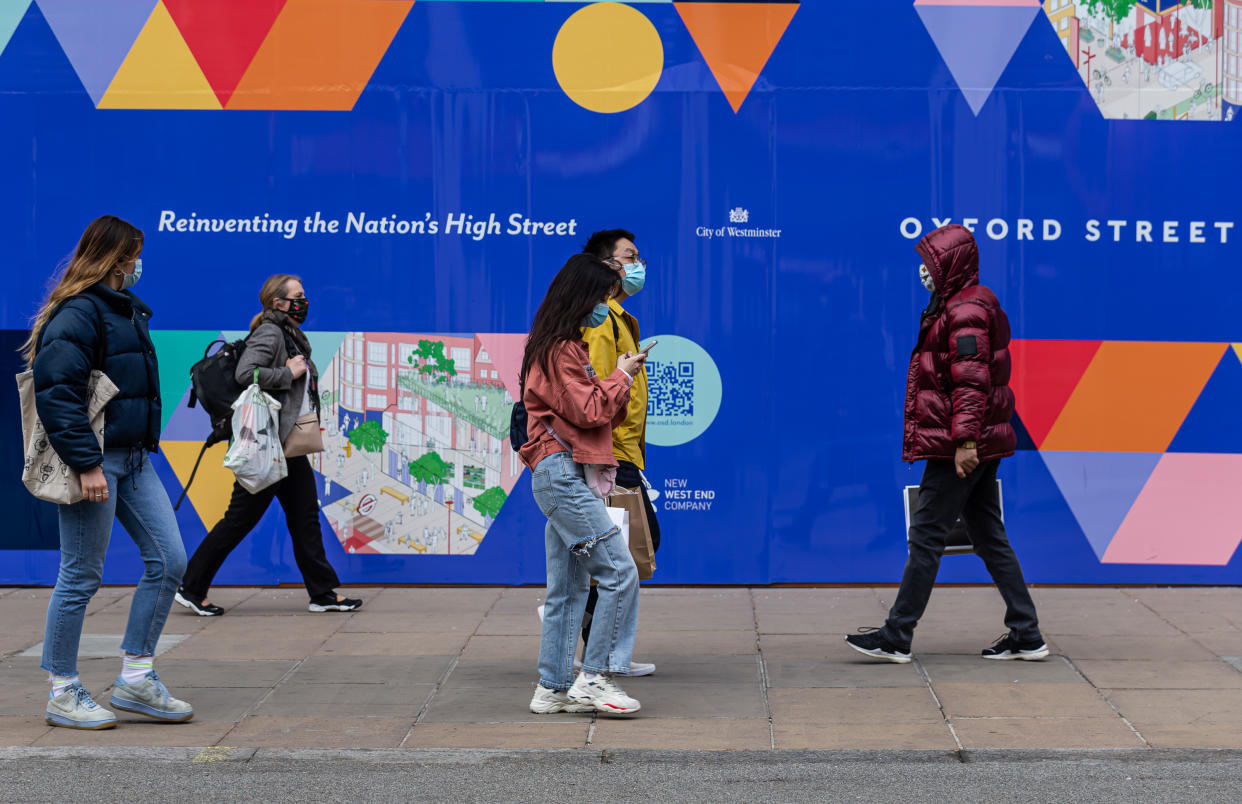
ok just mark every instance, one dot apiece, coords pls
pixel 570 415
pixel 281 353
pixel 92 320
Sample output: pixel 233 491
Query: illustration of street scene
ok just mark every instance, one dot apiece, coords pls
pixel 1155 59
pixel 417 458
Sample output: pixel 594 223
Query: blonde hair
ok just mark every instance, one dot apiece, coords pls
pixel 273 289
pixel 107 242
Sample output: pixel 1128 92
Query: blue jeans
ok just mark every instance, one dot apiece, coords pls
pixel 581 543
pixel 137 498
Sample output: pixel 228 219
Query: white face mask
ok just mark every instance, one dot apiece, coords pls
pixel 926 278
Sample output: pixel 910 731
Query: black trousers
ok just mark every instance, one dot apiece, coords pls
pixel 300 501
pixel 628 477
pixel 943 497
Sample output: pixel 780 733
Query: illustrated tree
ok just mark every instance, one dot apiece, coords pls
pixel 489 502
pixel 430 469
pixel 435 362
pixel 1113 10
pixel 368 437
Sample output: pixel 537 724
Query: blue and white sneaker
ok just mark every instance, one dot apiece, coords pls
pixel 151 698
pixel 75 709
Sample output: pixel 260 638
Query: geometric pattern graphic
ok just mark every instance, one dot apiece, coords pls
pixel 232 54
pixel 1154 59
pixel 736 40
pixel 1143 440
pixel 319 55
pixel 976 39
pixel 417 458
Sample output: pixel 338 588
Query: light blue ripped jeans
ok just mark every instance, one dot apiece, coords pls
pixel 581 543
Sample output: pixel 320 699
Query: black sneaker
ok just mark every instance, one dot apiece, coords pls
pixel 1009 648
pixel 196 604
pixel 869 641
pixel 328 602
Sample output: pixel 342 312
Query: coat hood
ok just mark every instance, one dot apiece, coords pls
pixel 952 256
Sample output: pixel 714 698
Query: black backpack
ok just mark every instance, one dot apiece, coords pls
pixel 214 385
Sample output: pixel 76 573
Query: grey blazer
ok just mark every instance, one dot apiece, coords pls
pixel 265 351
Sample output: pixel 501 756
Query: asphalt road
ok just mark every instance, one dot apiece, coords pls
pixel 60 775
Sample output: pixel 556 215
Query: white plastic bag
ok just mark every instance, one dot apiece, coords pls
pixel 256 455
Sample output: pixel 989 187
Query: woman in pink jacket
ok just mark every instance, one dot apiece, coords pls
pixel 571 413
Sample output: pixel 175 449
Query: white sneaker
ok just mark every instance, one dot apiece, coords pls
pixel 603 693
pixel 75 709
pixel 549 702
pixel 636 668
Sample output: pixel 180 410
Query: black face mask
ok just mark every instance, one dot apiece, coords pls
pixel 298 309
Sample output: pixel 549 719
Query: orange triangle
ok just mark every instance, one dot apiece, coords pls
pixel 320 54
pixel 213 485
pixel 1134 396
pixel 736 40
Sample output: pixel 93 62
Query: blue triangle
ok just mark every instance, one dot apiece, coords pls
pixel 1100 488
pixel 1213 424
pixel 33 66
pixel 976 43
pixel 336 491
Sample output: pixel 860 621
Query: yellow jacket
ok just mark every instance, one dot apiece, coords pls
pixel 616 336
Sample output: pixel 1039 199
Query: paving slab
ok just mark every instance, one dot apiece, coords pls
pixel 1179 707
pixel 517 648
pixel 23 730
pixel 362 643
pixel 1142 648
pixel 653 642
pixel 1199 735
pixel 1045 732
pixel 671 734
pixel 100 646
pixel 318 732
pixel 958 668
pixel 924 735
pixel 298 699
pixel 802 673
pixel 488 705
pixel 388 670
pixel 143 732
pixel 560 734
pixel 1117 674
pixel 223 673
pixel 413 622
pixel 1022 700
pixel 908 705
pixel 210 703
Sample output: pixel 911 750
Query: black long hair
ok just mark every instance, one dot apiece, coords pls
pixel 574 292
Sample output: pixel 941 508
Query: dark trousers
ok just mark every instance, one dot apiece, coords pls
pixel 627 478
pixel 300 501
pixel 943 497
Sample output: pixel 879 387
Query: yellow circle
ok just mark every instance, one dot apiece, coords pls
pixel 608 57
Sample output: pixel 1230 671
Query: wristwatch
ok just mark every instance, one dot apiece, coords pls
pixel 969 445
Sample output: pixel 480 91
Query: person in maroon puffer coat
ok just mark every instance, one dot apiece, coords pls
pixel 958 406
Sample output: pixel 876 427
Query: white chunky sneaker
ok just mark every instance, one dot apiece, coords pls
pixel 603 693
pixel 549 702
pixel 74 709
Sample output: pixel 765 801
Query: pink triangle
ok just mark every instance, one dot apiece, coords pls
pixel 1186 514
pixel 96 36
pixel 505 350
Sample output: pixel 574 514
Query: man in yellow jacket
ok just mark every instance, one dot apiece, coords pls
pixel 616 336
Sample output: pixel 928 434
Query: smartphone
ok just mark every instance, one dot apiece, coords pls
pixel 647 348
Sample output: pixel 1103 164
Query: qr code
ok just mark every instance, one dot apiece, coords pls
pixel 670 388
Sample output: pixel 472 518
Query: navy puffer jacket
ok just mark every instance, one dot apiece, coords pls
pixel 957 386
pixel 68 350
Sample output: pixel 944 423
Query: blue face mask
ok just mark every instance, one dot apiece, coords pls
pixel 129 280
pixel 635 278
pixel 598 316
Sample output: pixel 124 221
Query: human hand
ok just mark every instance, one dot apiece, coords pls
pixel 296 364
pixel 95 485
pixel 966 460
pixel 631 363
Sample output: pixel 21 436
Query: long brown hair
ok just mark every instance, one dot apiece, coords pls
pixel 574 292
pixel 273 289
pixel 107 242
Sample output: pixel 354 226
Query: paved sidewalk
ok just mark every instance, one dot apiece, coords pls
pixel 742 669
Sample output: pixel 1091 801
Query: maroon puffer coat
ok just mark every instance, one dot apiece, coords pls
pixel 957 388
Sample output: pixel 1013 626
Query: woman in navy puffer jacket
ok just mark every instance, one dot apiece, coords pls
pixel 92 320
